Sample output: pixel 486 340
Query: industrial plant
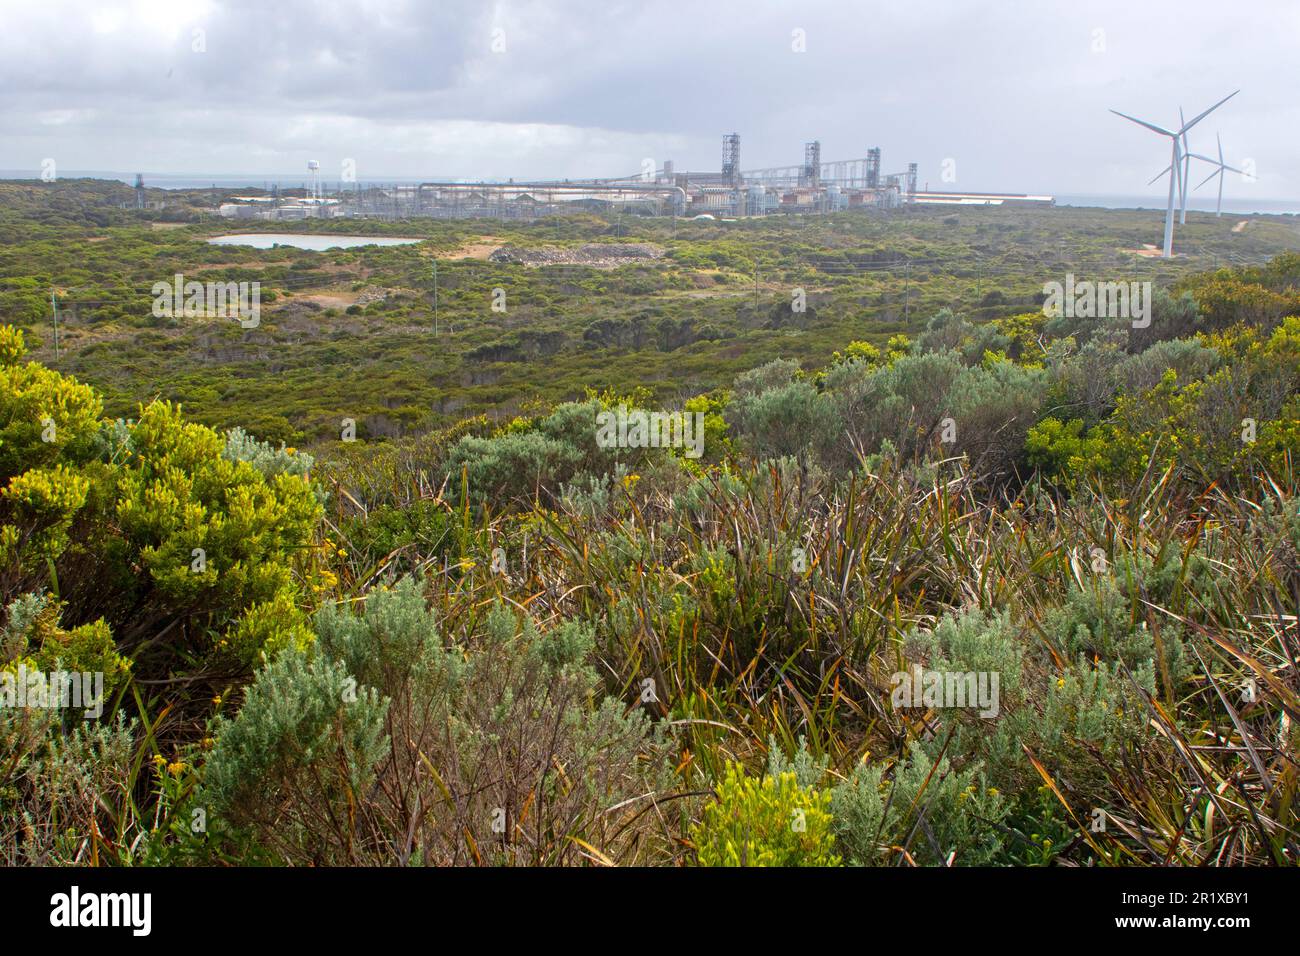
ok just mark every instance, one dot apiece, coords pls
pixel 811 187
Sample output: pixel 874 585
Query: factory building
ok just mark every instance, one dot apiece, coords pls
pixel 813 186
pixel 280 207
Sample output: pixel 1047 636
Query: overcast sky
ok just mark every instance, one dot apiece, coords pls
pixel 1014 93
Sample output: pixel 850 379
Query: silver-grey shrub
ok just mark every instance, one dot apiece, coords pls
pixel 935 813
pixel 495 746
pixel 293 765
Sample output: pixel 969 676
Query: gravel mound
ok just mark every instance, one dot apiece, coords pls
pixel 595 254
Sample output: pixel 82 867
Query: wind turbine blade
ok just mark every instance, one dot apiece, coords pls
pixel 1151 126
pixel 1217 172
pixel 1201 116
pixel 1218 139
pixel 1157 175
pixel 1204 159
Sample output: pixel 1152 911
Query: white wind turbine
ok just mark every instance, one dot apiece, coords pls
pixel 1176 160
pixel 1178 172
pixel 1222 168
pixel 1184 170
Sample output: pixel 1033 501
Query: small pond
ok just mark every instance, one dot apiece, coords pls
pixel 312 242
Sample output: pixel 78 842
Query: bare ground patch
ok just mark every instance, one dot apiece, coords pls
pixel 1148 251
pixel 329 300
pixel 480 248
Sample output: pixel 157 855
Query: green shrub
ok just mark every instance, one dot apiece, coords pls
pixel 947 331
pixel 1189 358
pixel 411 533
pixel 214 537
pixel 902 403
pixel 48 431
pixel 32 631
pixel 1063 452
pixel 45 417
pixel 775 374
pixel 159 526
pixel 41 505
pixel 512 466
pixel 767 821
pixel 1076 718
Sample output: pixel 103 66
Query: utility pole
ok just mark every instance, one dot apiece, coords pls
pixel 755 283
pixel 907 289
pixel 54 307
pixel 435 296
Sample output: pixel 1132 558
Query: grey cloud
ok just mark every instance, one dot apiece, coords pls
pixel 1013 92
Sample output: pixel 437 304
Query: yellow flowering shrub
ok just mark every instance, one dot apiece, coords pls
pixel 767 821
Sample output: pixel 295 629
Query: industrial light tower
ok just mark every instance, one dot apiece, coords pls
pixel 313 169
pixel 731 158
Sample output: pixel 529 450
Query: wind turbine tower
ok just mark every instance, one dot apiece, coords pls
pixel 1184 173
pixel 1222 168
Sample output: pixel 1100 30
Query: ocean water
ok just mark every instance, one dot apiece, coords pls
pixel 314 243
pixel 1233 206
pixel 217 180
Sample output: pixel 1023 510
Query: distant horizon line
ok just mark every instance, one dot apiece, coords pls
pixel 251 179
